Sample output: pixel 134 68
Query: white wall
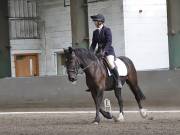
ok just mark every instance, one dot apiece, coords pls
pixel 146 40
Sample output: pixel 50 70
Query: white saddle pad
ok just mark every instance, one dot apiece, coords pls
pixel 121 67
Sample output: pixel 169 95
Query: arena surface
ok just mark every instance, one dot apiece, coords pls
pixel 78 122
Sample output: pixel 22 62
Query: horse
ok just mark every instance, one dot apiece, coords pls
pixel 98 80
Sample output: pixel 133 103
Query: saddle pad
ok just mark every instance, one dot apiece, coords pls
pixel 121 67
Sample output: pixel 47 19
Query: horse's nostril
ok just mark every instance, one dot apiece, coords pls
pixel 72 79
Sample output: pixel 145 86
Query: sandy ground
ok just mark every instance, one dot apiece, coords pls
pixel 80 124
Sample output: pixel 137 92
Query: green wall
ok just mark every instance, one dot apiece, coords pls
pixel 173 7
pixel 5 68
pixel 174 47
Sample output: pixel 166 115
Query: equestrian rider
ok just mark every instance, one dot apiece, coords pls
pixel 103 37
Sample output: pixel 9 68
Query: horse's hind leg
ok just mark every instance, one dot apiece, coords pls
pixel 139 96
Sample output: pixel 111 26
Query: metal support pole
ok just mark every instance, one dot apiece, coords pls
pixel 79 23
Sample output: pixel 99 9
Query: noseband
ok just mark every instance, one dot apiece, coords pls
pixel 74 69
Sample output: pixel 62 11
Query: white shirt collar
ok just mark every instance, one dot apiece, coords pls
pixel 100 27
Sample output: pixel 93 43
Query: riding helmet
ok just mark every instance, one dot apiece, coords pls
pixel 98 17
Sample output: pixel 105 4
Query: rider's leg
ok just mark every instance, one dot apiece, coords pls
pixel 110 60
pixel 116 75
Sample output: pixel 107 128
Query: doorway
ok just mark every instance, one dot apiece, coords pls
pixel 61 70
pixel 26 65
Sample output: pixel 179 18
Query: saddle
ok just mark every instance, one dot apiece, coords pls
pixel 120 65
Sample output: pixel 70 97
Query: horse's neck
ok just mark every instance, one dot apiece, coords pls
pixel 92 66
pixel 88 64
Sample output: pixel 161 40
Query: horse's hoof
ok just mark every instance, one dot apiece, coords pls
pixel 115 119
pixel 95 123
pixel 151 118
pixel 119 119
pixel 143 113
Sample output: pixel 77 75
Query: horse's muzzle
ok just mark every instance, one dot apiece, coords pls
pixel 72 75
pixel 72 79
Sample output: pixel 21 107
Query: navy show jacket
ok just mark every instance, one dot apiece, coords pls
pixel 104 41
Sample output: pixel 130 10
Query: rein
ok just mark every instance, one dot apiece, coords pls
pixel 83 69
pixel 87 66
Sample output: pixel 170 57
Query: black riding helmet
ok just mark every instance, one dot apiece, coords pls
pixel 98 17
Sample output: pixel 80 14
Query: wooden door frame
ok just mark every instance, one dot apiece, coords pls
pixel 27 54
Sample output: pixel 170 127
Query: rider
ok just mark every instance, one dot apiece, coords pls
pixel 103 37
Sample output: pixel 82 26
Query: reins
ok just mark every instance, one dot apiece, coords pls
pixel 87 66
pixel 90 64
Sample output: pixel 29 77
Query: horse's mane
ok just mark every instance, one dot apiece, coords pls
pixel 85 54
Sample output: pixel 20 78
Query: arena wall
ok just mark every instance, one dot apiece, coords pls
pixel 160 87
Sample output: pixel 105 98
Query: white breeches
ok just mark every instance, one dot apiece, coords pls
pixel 110 60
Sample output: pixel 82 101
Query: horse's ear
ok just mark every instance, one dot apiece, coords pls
pixel 70 49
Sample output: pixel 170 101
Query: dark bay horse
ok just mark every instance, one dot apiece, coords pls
pixel 99 81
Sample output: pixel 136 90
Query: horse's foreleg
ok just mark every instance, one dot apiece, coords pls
pixel 117 92
pixel 97 96
pixel 107 115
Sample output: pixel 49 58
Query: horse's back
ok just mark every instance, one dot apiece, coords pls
pixel 128 62
pixel 125 59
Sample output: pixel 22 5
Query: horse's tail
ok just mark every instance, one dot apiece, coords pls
pixel 132 79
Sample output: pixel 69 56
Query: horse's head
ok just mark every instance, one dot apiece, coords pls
pixel 72 64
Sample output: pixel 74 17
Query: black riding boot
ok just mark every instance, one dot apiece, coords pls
pixel 116 75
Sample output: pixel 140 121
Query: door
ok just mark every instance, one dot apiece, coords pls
pixel 26 65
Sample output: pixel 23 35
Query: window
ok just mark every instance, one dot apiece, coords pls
pixel 23 19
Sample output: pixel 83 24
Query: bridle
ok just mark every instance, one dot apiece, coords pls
pixel 77 65
pixel 75 69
